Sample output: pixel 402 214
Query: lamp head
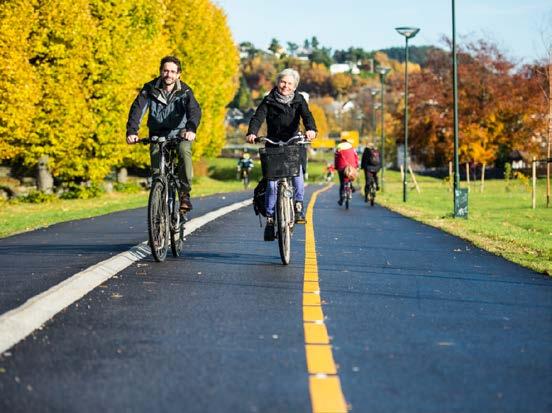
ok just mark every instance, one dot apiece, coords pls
pixel 408 32
pixel 382 70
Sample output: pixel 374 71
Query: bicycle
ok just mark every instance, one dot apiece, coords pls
pixel 244 175
pixel 281 163
pixel 347 192
pixel 370 190
pixel 165 220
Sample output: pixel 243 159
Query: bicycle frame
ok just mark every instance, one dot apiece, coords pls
pixel 284 204
pixel 164 216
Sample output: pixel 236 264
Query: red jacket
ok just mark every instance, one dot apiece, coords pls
pixel 345 155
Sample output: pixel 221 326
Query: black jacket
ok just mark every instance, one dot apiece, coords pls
pixel 167 117
pixel 282 120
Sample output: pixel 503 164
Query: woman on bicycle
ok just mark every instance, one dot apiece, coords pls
pixel 345 155
pixel 283 109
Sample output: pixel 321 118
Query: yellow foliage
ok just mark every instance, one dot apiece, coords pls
pixel 69 70
pixel 18 82
pixel 200 35
pixel 320 120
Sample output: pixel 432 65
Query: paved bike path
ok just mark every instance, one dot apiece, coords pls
pixel 420 322
pixel 32 262
pixel 425 322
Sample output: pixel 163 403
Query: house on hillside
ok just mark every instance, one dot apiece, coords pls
pixel 347 67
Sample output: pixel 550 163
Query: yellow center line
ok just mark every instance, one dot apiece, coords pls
pixel 324 385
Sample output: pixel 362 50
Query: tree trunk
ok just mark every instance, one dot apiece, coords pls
pixel 44 179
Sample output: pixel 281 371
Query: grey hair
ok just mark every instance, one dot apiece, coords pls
pixel 289 72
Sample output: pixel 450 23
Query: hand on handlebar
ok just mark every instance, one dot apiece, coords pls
pixel 251 138
pixel 132 139
pixel 310 135
pixel 189 136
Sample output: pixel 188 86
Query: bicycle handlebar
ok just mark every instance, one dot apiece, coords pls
pixel 159 139
pixel 298 139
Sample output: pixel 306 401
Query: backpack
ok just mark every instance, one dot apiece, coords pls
pixel 374 158
pixel 259 197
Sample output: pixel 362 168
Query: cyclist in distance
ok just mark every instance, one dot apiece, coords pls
pixel 283 108
pixel 173 112
pixel 245 163
pixel 345 155
pixel 371 164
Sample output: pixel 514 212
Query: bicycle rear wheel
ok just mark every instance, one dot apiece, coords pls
pixel 372 194
pixel 176 222
pixel 348 195
pixel 158 225
pixel 284 217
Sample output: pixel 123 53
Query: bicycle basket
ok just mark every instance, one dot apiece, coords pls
pixel 281 161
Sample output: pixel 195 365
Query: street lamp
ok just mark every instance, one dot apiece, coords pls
pixel 373 93
pixel 408 33
pixel 383 73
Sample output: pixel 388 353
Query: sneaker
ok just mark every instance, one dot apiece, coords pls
pixel 269 229
pixel 299 213
pixel 185 203
pixel 340 202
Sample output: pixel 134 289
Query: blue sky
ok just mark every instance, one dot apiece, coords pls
pixel 517 26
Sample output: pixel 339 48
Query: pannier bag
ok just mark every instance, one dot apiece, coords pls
pixel 280 161
pixel 350 172
pixel 259 198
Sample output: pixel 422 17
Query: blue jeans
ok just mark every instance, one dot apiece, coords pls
pixel 272 192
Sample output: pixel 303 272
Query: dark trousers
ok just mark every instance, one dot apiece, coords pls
pixel 369 175
pixel 184 168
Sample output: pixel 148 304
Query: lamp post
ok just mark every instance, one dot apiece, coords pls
pixel 460 196
pixel 408 33
pixel 383 73
pixel 373 93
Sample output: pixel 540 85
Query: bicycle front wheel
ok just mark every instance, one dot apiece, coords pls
pixel 372 194
pixel 176 222
pixel 158 225
pixel 284 217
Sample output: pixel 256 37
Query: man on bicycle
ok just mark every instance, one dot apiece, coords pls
pixel 371 164
pixel 345 155
pixel 283 109
pixel 173 112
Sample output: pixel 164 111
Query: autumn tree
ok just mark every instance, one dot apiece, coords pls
pixel 200 34
pixel 341 83
pixel 497 109
pixel 320 120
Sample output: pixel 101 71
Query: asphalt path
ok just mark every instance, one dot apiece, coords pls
pixel 420 321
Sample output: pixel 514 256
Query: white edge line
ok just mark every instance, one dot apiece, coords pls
pixel 18 323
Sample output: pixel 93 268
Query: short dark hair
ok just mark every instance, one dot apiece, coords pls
pixel 170 59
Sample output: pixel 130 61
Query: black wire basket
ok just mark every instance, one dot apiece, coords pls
pixel 281 161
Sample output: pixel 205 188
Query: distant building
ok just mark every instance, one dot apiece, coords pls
pixel 348 67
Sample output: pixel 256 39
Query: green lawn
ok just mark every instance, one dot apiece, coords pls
pixel 500 218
